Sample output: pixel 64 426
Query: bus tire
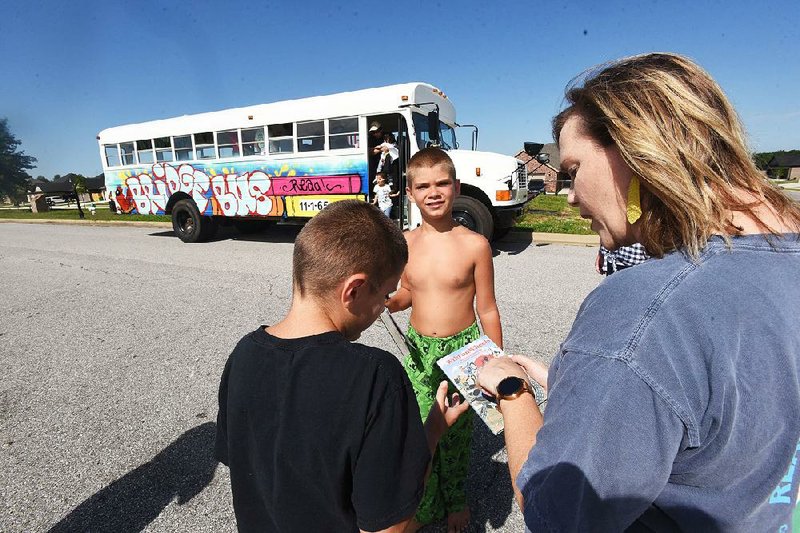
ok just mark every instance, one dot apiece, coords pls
pixel 187 222
pixel 473 214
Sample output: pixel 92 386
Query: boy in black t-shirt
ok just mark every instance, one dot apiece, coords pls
pixel 322 434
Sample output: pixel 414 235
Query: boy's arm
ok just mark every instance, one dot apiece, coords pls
pixel 485 303
pixel 443 414
pixel 401 299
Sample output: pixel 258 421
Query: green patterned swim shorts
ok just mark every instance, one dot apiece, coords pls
pixel 444 492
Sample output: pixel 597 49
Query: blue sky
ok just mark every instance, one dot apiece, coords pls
pixel 71 69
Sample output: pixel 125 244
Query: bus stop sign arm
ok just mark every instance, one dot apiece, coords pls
pixel 474 133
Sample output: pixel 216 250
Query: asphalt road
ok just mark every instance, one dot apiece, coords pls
pixel 112 341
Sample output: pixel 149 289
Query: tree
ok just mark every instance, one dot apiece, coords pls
pixel 762 159
pixel 79 182
pixel 14 164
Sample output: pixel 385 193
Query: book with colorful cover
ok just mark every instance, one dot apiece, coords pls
pixel 462 367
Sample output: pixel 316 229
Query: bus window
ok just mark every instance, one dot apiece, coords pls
pixel 311 136
pixel 204 145
pixel 127 153
pixel 112 155
pixel 253 141
pixel 281 138
pixel 183 148
pixel 447 135
pixel 343 133
pixel 163 149
pixel 144 151
pixel 228 142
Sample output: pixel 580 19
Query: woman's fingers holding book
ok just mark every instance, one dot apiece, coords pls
pixel 536 370
pixel 497 369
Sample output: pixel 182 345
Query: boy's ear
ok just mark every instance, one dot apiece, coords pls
pixel 351 287
pixel 457 186
pixel 409 195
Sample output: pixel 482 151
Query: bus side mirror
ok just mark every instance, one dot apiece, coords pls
pixel 433 127
pixel 543 158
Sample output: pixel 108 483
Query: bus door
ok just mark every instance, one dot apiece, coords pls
pixel 394 124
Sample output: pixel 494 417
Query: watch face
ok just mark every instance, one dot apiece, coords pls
pixel 510 385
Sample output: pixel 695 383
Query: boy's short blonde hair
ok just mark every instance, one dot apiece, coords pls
pixel 346 238
pixel 428 158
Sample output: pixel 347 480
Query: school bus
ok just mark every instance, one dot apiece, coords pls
pixel 285 161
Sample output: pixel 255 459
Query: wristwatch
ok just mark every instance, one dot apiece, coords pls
pixel 512 387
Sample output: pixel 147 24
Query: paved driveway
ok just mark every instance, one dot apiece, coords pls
pixel 112 340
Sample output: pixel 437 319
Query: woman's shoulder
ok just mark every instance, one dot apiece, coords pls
pixel 625 303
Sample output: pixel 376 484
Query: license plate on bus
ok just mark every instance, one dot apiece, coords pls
pixel 309 206
pixel 313 205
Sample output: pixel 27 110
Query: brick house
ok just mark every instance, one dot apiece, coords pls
pixel 791 162
pixel 40 190
pixel 546 171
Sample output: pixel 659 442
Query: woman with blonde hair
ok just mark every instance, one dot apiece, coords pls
pixel 674 402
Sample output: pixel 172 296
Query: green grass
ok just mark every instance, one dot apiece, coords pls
pixel 72 214
pixel 552 214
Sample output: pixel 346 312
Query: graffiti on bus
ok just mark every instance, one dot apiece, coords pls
pixel 261 191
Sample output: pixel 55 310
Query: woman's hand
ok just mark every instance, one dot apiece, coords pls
pixel 535 370
pixel 495 371
pixel 519 366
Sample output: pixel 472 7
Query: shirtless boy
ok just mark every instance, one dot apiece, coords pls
pixel 449 276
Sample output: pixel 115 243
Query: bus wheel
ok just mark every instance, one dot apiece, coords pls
pixel 473 214
pixel 188 223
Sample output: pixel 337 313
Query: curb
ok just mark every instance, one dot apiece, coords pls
pixel 539 238
pixel 86 222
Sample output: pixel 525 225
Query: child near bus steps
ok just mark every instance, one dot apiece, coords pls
pixel 449 269
pixel 383 195
pixel 322 434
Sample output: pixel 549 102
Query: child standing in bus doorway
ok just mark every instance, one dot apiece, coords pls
pixel 383 195
pixel 449 276
pixel 374 140
pixel 389 154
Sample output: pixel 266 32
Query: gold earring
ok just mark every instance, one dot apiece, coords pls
pixel 634 209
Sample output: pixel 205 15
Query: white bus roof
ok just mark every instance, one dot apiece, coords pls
pixel 378 100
